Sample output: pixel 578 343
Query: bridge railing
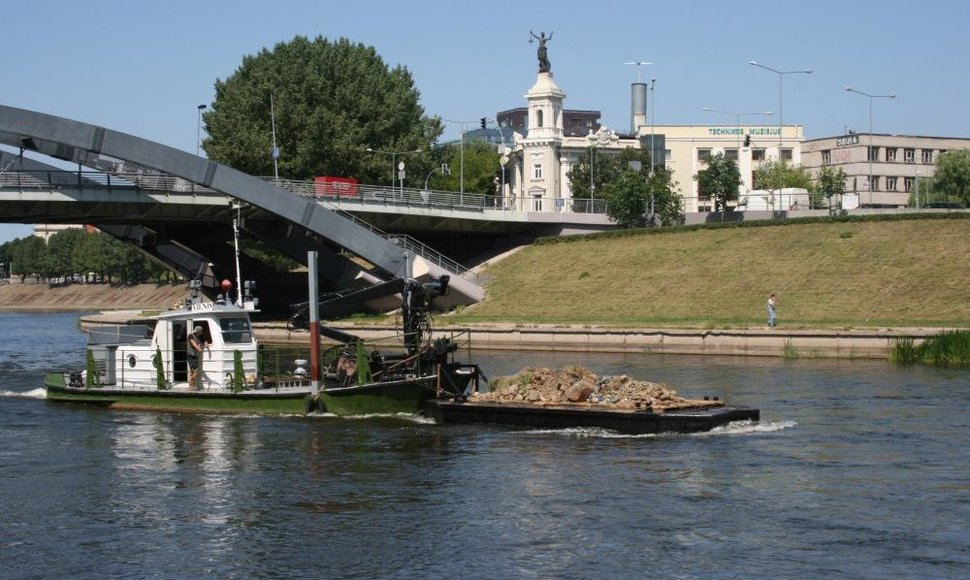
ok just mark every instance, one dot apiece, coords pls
pixel 134 180
pixel 341 194
pixel 306 189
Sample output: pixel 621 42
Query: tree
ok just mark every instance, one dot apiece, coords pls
pixel 665 197
pixel 775 175
pixel 830 181
pixel 635 197
pixel 481 160
pixel 627 199
pixel 951 181
pixel 59 256
pixel 719 181
pixel 606 166
pixel 331 102
pixel 779 175
pixel 28 256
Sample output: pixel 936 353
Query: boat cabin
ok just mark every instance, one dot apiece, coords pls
pixel 127 356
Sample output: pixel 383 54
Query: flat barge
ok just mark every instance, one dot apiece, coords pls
pixel 628 421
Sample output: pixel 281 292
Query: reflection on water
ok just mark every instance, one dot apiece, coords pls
pixel 857 469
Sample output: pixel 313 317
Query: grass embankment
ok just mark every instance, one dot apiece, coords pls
pixel 826 273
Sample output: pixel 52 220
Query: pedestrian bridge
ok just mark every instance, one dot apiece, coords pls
pixel 181 208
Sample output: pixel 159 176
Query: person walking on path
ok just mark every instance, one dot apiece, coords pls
pixel 772 314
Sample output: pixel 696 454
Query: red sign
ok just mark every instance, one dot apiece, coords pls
pixel 326 185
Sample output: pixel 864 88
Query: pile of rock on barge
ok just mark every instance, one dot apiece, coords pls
pixel 574 396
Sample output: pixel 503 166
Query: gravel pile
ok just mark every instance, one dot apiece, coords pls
pixel 576 384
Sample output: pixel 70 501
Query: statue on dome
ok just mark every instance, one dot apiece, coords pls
pixel 542 52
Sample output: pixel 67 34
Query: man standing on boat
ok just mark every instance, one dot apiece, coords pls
pixel 196 346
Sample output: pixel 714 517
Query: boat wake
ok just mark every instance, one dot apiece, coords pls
pixel 38 393
pixel 409 417
pixel 748 428
pixel 734 428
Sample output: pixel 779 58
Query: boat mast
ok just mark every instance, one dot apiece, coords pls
pixel 235 239
pixel 313 291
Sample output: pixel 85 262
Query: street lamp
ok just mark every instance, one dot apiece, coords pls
pixel 592 143
pixel 461 163
pixel 869 151
pixel 918 173
pixel 394 155
pixel 198 131
pixel 781 74
pixel 653 114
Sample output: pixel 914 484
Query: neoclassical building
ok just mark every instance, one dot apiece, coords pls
pixel 543 149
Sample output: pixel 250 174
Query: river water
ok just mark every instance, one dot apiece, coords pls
pixel 857 469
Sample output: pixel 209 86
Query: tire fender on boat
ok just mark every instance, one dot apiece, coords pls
pixel 313 403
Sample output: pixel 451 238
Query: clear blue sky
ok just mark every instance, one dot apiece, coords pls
pixel 143 67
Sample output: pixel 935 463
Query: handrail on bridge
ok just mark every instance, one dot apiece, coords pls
pixel 357 195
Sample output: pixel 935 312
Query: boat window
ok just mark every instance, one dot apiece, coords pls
pixel 236 329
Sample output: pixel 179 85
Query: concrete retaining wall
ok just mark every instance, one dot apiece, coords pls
pixel 864 343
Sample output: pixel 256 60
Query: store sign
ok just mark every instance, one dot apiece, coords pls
pixel 740 131
pixel 847 141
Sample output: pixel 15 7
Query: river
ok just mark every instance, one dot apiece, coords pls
pixel 857 469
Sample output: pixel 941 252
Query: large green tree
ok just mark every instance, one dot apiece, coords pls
pixel 719 181
pixel 951 182
pixel 331 102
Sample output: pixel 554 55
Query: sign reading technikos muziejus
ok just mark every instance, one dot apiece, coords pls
pixel 741 131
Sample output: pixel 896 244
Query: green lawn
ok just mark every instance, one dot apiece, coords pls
pixel 843 274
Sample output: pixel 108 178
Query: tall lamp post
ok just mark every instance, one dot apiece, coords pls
pixel 394 155
pixel 461 144
pixel 198 131
pixel 869 149
pixel 918 173
pixel 653 115
pixel 592 145
pixel 781 75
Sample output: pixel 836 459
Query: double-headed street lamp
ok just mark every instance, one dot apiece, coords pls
pixel 394 155
pixel 781 75
pixel 869 152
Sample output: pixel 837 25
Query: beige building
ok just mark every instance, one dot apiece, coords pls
pixel 895 162
pixel 688 147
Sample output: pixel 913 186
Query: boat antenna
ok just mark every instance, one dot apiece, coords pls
pixel 235 240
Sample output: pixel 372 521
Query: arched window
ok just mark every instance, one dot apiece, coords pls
pixel 539 118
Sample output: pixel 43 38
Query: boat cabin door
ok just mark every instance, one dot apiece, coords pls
pixel 170 338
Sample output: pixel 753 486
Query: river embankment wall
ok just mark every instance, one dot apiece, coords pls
pixel 769 342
